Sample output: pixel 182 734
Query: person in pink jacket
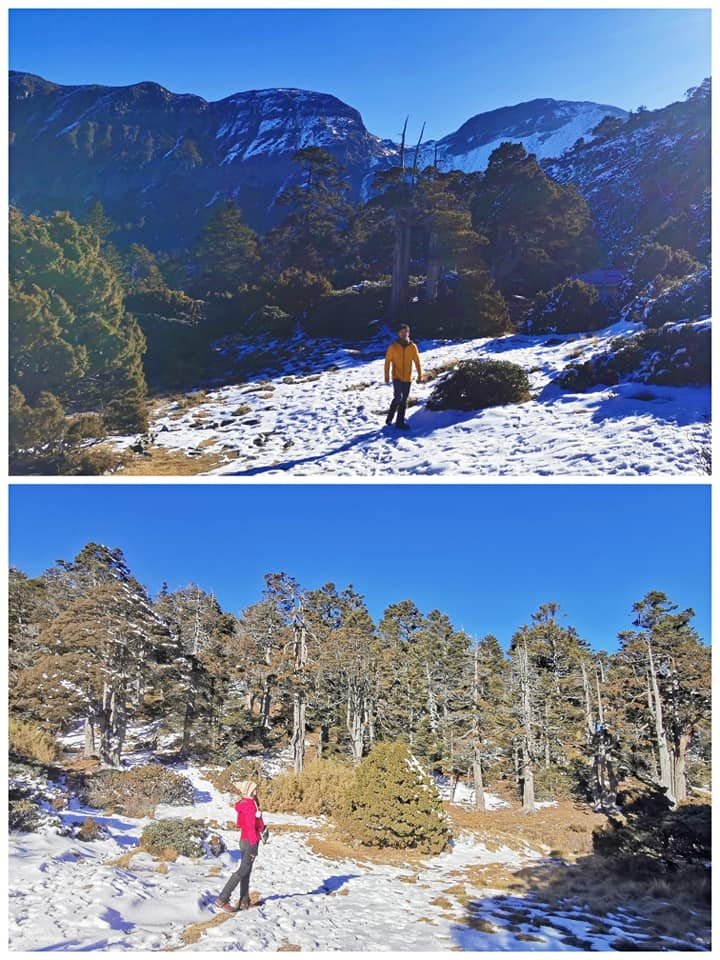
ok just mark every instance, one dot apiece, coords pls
pixel 252 830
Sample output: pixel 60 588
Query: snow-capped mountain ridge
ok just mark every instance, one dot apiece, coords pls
pixel 137 147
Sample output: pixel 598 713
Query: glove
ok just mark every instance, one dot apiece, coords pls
pixel 265 835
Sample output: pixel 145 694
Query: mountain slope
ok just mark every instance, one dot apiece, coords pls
pixel 636 174
pixel 158 161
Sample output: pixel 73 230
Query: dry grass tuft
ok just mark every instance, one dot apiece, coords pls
pixel 286 947
pixel 159 462
pixel 330 846
pixel 123 861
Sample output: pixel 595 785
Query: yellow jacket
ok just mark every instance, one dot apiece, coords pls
pixel 402 358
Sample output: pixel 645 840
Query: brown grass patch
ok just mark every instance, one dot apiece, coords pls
pixel 286 947
pixel 123 861
pixel 333 848
pixel 214 871
pixel 442 902
pixel 566 828
pixel 195 931
pixel 162 868
pixel 159 462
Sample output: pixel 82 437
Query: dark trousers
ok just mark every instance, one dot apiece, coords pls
pixel 401 392
pixel 248 853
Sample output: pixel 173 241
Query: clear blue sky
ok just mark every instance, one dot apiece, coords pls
pixel 487 556
pixel 439 66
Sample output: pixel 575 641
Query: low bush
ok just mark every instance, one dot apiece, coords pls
pixel 659 264
pixel 23 815
pixel 29 740
pixel 674 355
pixel 90 830
pixel 474 308
pixel 475 384
pixel 687 299
pixel 391 802
pixel 650 836
pixel 247 768
pixel 571 307
pixel 268 320
pixel 174 838
pixel 314 792
pixel 350 313
pixel 296 291
pixel 138 791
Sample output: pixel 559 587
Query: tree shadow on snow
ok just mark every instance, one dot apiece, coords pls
pixel 331 885
pixel 636 399
pixel 555 905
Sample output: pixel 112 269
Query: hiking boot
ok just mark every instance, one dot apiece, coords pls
pixel 224 905
pixel 244 905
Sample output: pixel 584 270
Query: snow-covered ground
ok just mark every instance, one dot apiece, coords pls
pixel 66 894
pixel 323 415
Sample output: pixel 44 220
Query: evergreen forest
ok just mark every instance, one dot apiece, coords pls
pixel 309 670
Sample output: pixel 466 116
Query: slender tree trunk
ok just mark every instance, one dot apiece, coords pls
pixel 479 784
pixel 666 772
pixel 434 269
pixel 90 750
pixel 679 771
pixel 298 735
pixel 526 770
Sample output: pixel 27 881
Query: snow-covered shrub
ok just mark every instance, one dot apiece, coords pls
pixel 174 838
pixel 392 802
pixel 138 791
pixel 475 384
pixel 674 355
pixel 29 740
pixel 571 307
pixel 687 299
pixel 23 815
pixel 348 313
pixel 316 791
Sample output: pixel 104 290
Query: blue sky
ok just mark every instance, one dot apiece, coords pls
pixel 439 66
pixel 487 556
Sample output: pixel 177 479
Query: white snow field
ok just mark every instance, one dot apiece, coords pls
pixel 67 894
pixel 323 414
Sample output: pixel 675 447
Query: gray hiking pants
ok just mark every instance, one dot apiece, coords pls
pixel 248 852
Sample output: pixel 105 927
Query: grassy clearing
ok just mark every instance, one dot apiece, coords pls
pixel 328 844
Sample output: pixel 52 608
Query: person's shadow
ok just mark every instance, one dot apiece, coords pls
pixel 331 885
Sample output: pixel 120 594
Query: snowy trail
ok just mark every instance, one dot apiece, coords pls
pixel 331 422
pixel 66 894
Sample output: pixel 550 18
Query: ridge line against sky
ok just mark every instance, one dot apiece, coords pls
pixel 458 63
pixel 486 555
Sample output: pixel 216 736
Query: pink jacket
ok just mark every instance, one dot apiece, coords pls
pixel 249 820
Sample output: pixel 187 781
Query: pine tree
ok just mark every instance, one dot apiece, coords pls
pixel 313 237
pixel 226 254
pixel 664 670
pixel 538 231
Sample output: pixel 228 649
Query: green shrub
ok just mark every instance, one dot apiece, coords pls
pixel 316 791
pixel 174 838
pixel 687 299
pixel 671 356
pixel 28 739
pixel 138 791
pixel 296 291
pixel 475 384
pixel 268 320
pixel 23 815
pixel 475 308
pixel 391 802
pixel 657 262
pixel 349 313
pixel 571 307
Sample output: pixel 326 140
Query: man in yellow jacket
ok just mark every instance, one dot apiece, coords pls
pixel 401 355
